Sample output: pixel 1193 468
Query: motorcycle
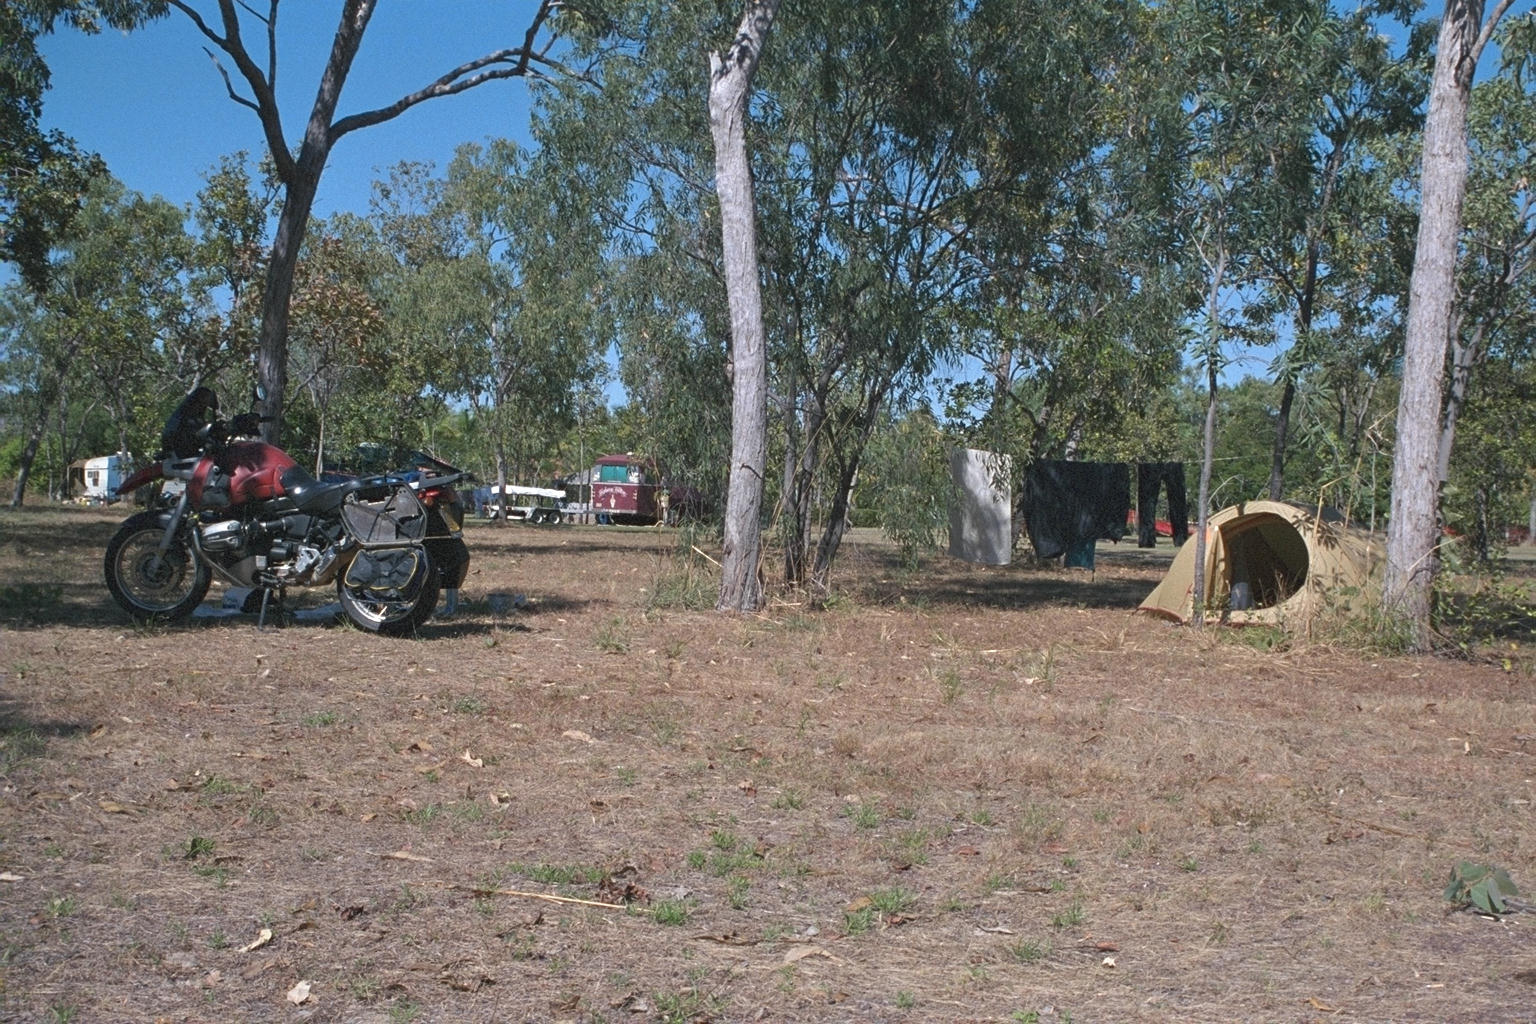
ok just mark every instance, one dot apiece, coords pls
pixel 250 515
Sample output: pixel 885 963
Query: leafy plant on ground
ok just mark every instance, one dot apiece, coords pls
pixel 1483 886
pixel 1028 951
pixel 612 637
pixel 687 581
pixel 672 912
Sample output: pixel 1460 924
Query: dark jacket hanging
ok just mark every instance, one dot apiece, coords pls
pixel 1069 503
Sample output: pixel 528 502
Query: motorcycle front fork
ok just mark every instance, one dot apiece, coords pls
pixel 169 536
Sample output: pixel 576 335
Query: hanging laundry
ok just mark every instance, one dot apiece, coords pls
pixel 1069 503
pixel 980 509
pixel 1150 479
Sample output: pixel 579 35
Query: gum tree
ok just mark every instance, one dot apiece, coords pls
pixel 1412 561
pixel 730 86
pixel 299 165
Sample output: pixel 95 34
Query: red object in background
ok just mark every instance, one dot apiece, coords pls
pixel 625 489
pixel 1163 526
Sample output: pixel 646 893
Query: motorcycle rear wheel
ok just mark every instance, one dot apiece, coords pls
pixel 391 618
pixel 151 589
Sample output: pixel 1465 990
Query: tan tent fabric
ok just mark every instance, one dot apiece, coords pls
pixel 1274 562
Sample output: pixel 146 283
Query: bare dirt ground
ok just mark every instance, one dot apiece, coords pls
pixel 957 794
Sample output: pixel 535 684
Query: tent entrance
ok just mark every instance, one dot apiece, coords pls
pixel 1266 561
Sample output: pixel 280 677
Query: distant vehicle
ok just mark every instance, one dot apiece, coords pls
pixel 626 490
pixel 100 477
pixel 531 504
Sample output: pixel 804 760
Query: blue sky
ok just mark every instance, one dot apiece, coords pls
pixel 153 105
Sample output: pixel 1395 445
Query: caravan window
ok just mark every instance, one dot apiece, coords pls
pixel 618 474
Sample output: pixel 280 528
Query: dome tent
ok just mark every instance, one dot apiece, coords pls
pixel 1273 562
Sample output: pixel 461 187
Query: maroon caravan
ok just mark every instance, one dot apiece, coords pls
pixel 626 490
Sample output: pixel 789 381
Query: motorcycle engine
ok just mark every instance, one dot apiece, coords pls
pixel 222 536
pixel 291 549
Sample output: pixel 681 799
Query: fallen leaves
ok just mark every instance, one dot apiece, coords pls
pixel 262 938
pixel 406 855
pixel 299 994
pixel 614 891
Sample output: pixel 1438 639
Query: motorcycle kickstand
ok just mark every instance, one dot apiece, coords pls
pixel 266 596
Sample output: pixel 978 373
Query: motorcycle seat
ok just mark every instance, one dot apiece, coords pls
pixel 311 496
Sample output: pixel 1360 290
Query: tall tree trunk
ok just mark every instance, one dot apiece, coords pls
pixel 50 390
pixel 272 350
pixel 1282 437
pixel 1208 449
pixel 24 464
pixel 1411 554
pixel 1202 517
pixel 320 444
pixel 842 499
pixel 300 174
pixel 797 496
pixel 730 80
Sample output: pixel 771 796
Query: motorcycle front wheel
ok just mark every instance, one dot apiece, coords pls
pixel 149 586
pixel 389 617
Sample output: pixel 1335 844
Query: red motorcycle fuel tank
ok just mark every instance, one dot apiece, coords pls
pixel 247 471
pixel 255 471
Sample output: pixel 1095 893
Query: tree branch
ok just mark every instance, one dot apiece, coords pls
pixel 447 86
pixel 265 100
pixel 521 58
pixel 229 84
pixel 1487 33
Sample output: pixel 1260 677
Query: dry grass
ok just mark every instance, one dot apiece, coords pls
pixel 958 794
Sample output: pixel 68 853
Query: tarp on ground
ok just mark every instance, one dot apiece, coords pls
pixel 1275 562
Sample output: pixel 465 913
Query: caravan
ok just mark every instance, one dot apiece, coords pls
pixel 100 477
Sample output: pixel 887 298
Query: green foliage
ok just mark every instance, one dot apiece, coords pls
pixel 687 580
pixel 197 847
pixel 1029 951
pixel 18 743
pixel 1481 886
pixel 1070 917
pixel 43 174
pixel 906 481
pixel 672 912
pixel 612 637
pixel 1480 610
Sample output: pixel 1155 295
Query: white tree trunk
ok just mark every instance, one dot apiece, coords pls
pixel 730 81
pixel 1411 552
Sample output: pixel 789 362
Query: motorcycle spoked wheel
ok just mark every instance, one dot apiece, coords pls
pixel 151 590
pixel 391 618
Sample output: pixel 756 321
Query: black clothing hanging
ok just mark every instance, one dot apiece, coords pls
pixel 1069 503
